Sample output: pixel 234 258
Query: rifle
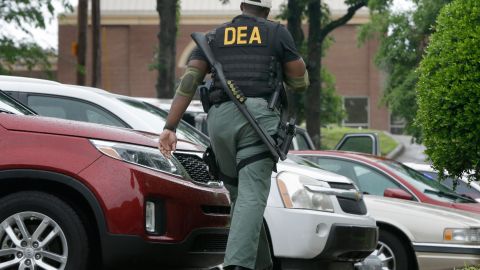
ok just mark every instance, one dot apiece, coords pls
pixel 238 99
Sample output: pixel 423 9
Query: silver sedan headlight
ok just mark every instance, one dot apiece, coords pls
pixel 462 236
pixel 143 156
pixel 296 192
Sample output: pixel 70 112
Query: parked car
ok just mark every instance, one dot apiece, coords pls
pixel 384 177
pixel 196 117
pixel 322 220
pixel 416 235
pixel 82 196
pixel 463 187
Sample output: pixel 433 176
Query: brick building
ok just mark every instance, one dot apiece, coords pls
pixel 129 40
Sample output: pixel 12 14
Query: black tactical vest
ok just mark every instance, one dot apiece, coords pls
pixel 245 48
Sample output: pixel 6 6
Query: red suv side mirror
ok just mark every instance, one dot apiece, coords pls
pixel 397 193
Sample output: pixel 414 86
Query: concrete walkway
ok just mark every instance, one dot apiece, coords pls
pixel 412 152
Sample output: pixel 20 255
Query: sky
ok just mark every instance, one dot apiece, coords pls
pixel 48 38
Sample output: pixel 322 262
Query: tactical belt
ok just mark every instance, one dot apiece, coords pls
pixel 218 96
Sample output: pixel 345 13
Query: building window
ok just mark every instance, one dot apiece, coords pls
pixel 357 109
pixel 397 124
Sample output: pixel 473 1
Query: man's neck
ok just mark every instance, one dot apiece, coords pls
pixel 252 15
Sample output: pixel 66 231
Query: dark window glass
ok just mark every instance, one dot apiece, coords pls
pixel 397 124
pixel 302 142
pixel 71 109
pixel 357 112
pixel 361 144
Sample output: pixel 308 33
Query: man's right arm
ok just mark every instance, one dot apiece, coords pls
pixel 296 75
pixel 295 72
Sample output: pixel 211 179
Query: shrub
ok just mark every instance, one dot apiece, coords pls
pixel 449 91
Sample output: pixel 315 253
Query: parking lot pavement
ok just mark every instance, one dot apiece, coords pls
pixel 413 152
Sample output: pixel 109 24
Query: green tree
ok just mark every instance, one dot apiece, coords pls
pixel 23 15
pixel 449 91
pixel 321 25
pixel 403 38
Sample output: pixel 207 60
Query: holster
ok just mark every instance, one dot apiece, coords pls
pixel 211 161
pixel 205 96
pixel 285 134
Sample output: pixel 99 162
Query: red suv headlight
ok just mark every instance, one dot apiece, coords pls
pixel 143 156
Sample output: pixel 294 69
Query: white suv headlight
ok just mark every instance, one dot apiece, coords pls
pixel 465 235
pixel 147 157
pixel 296 192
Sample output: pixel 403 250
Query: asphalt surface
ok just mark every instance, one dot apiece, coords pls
pixel 412 152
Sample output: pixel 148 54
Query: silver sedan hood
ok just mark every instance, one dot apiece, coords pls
pixel 417 216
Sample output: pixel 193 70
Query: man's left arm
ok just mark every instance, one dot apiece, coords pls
pixel 193 76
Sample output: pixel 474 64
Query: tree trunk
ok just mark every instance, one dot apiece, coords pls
pixel 96 45
pixel 82 40
pixel 167 37
pixel 295 12
pixel 314 66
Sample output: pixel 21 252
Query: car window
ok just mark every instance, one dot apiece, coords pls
pixel 302 142
pixel 360 144
pixel 373 182
pixel 367 179
pixel 71 109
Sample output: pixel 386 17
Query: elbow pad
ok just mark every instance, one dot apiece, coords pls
pixel 189 82
pixel 298 84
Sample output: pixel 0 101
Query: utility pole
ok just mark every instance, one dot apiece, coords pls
pixel 96 45
pixel 82 13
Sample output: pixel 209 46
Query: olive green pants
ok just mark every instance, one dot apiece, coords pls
pixel 233 140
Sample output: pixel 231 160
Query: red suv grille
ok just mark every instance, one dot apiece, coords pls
pixel 196 168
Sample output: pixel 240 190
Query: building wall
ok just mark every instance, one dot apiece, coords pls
pixel 128 52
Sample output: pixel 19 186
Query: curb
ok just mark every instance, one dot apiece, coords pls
pixel 395 153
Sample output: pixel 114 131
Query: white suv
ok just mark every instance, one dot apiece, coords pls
pixel 315 219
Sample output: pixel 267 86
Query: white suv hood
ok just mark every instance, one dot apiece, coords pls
pixel 312 172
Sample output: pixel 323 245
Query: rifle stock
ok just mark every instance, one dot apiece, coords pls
pixel 202 43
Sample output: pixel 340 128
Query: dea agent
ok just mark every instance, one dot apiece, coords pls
pixel 257 57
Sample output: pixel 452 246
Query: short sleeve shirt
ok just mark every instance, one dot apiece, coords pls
pixel 284 47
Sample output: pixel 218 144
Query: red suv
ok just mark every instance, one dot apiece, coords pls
pixel 83 196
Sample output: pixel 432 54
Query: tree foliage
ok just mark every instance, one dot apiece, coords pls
pixel 403 38
pixel 449 91
pixel 24 15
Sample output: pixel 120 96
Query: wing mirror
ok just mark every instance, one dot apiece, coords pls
pixel 397 193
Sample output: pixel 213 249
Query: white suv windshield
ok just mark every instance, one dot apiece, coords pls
pixel 158 117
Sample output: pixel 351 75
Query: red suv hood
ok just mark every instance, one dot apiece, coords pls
pixel 38 124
